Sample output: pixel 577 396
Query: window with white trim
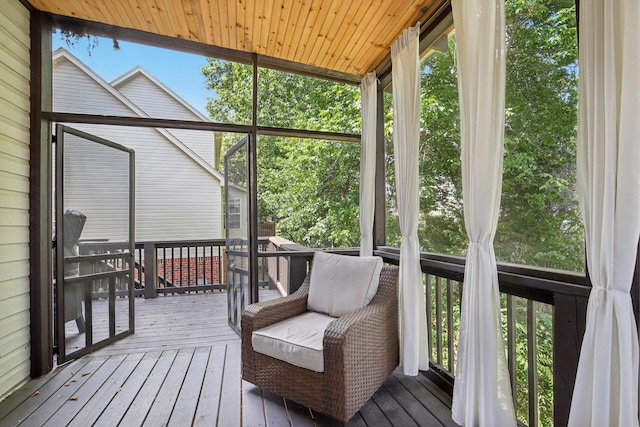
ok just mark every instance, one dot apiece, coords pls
pixel 234 216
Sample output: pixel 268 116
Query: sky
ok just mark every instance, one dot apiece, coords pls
pixel 179 71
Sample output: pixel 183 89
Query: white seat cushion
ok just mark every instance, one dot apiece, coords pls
pixel 297 340
pixel 341 284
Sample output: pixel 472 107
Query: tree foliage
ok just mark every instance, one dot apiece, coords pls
pixel 539 221
pixel 310 188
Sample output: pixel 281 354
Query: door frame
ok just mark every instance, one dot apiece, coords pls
pixel 251 296
pixel 58 245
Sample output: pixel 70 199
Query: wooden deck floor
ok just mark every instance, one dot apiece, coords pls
pixel 182 368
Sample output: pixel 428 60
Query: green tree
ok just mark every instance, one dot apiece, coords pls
pixel 310 188
pixel 540 220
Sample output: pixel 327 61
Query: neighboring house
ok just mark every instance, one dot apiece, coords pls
pixel 179 194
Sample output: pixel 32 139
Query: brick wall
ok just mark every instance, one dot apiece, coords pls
pixel 185 271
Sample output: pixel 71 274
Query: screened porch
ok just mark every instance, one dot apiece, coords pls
pixel 500 324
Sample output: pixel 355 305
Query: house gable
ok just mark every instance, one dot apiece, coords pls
pixel 77 88
pixel 178 194
pixel 154 97
pixel 158 101
pixel 72 84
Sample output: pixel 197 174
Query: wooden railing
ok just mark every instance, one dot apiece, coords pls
pixel 189 266
pixel 173 267
pixel 180 267
pixel 543 310
pixel 103 257
pixel 543 315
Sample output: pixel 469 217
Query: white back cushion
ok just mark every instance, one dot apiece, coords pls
pixel 341 284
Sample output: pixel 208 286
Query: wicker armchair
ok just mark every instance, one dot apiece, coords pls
pixel 360 351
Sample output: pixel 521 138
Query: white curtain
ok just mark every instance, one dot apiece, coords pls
pixel 406 130
pixel 368 96
pixel 482 391
pixel 606 389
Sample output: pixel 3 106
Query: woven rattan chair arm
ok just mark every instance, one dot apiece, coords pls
pixel 265 313
pixel 363 322
pixel 368 327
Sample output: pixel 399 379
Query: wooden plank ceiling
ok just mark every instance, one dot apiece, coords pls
pixel 348 36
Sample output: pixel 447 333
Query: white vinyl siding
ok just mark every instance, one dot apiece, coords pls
pixel 176 198
pixel 157 103
pixel 153 100
pixel 97 184
pixel 76 92
pixel 202 143
pixel 14 195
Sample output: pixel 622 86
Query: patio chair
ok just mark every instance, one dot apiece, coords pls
pixel 331 344
pixel 73 293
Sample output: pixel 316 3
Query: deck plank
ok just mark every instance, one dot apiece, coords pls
pixel 373 415
pixel 21 403
pixel 95 380
pixel 274 409
pixel 156 344
pixel 392 410
pixel 299 416
pixel 438 403
pixel 324 420
pixel 252 406
pixel 229 413
pixel 120 403
pixel 62 394
pixel 185 408
pixel 356 421
pixel 182 367
pixel 162 406
pixel 140 406
pixel 411 405
pixel 209 402
pixel 101 399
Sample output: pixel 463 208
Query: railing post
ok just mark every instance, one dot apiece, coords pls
pixel 568 330
pixel 297 273
pixel 286 272
pixel 150 270
pixel 296 267
pixel 272 266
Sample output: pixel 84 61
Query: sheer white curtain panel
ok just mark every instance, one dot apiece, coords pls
pixel 406 126
pixel 606 388
pixel 482 391
pixel 368 97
